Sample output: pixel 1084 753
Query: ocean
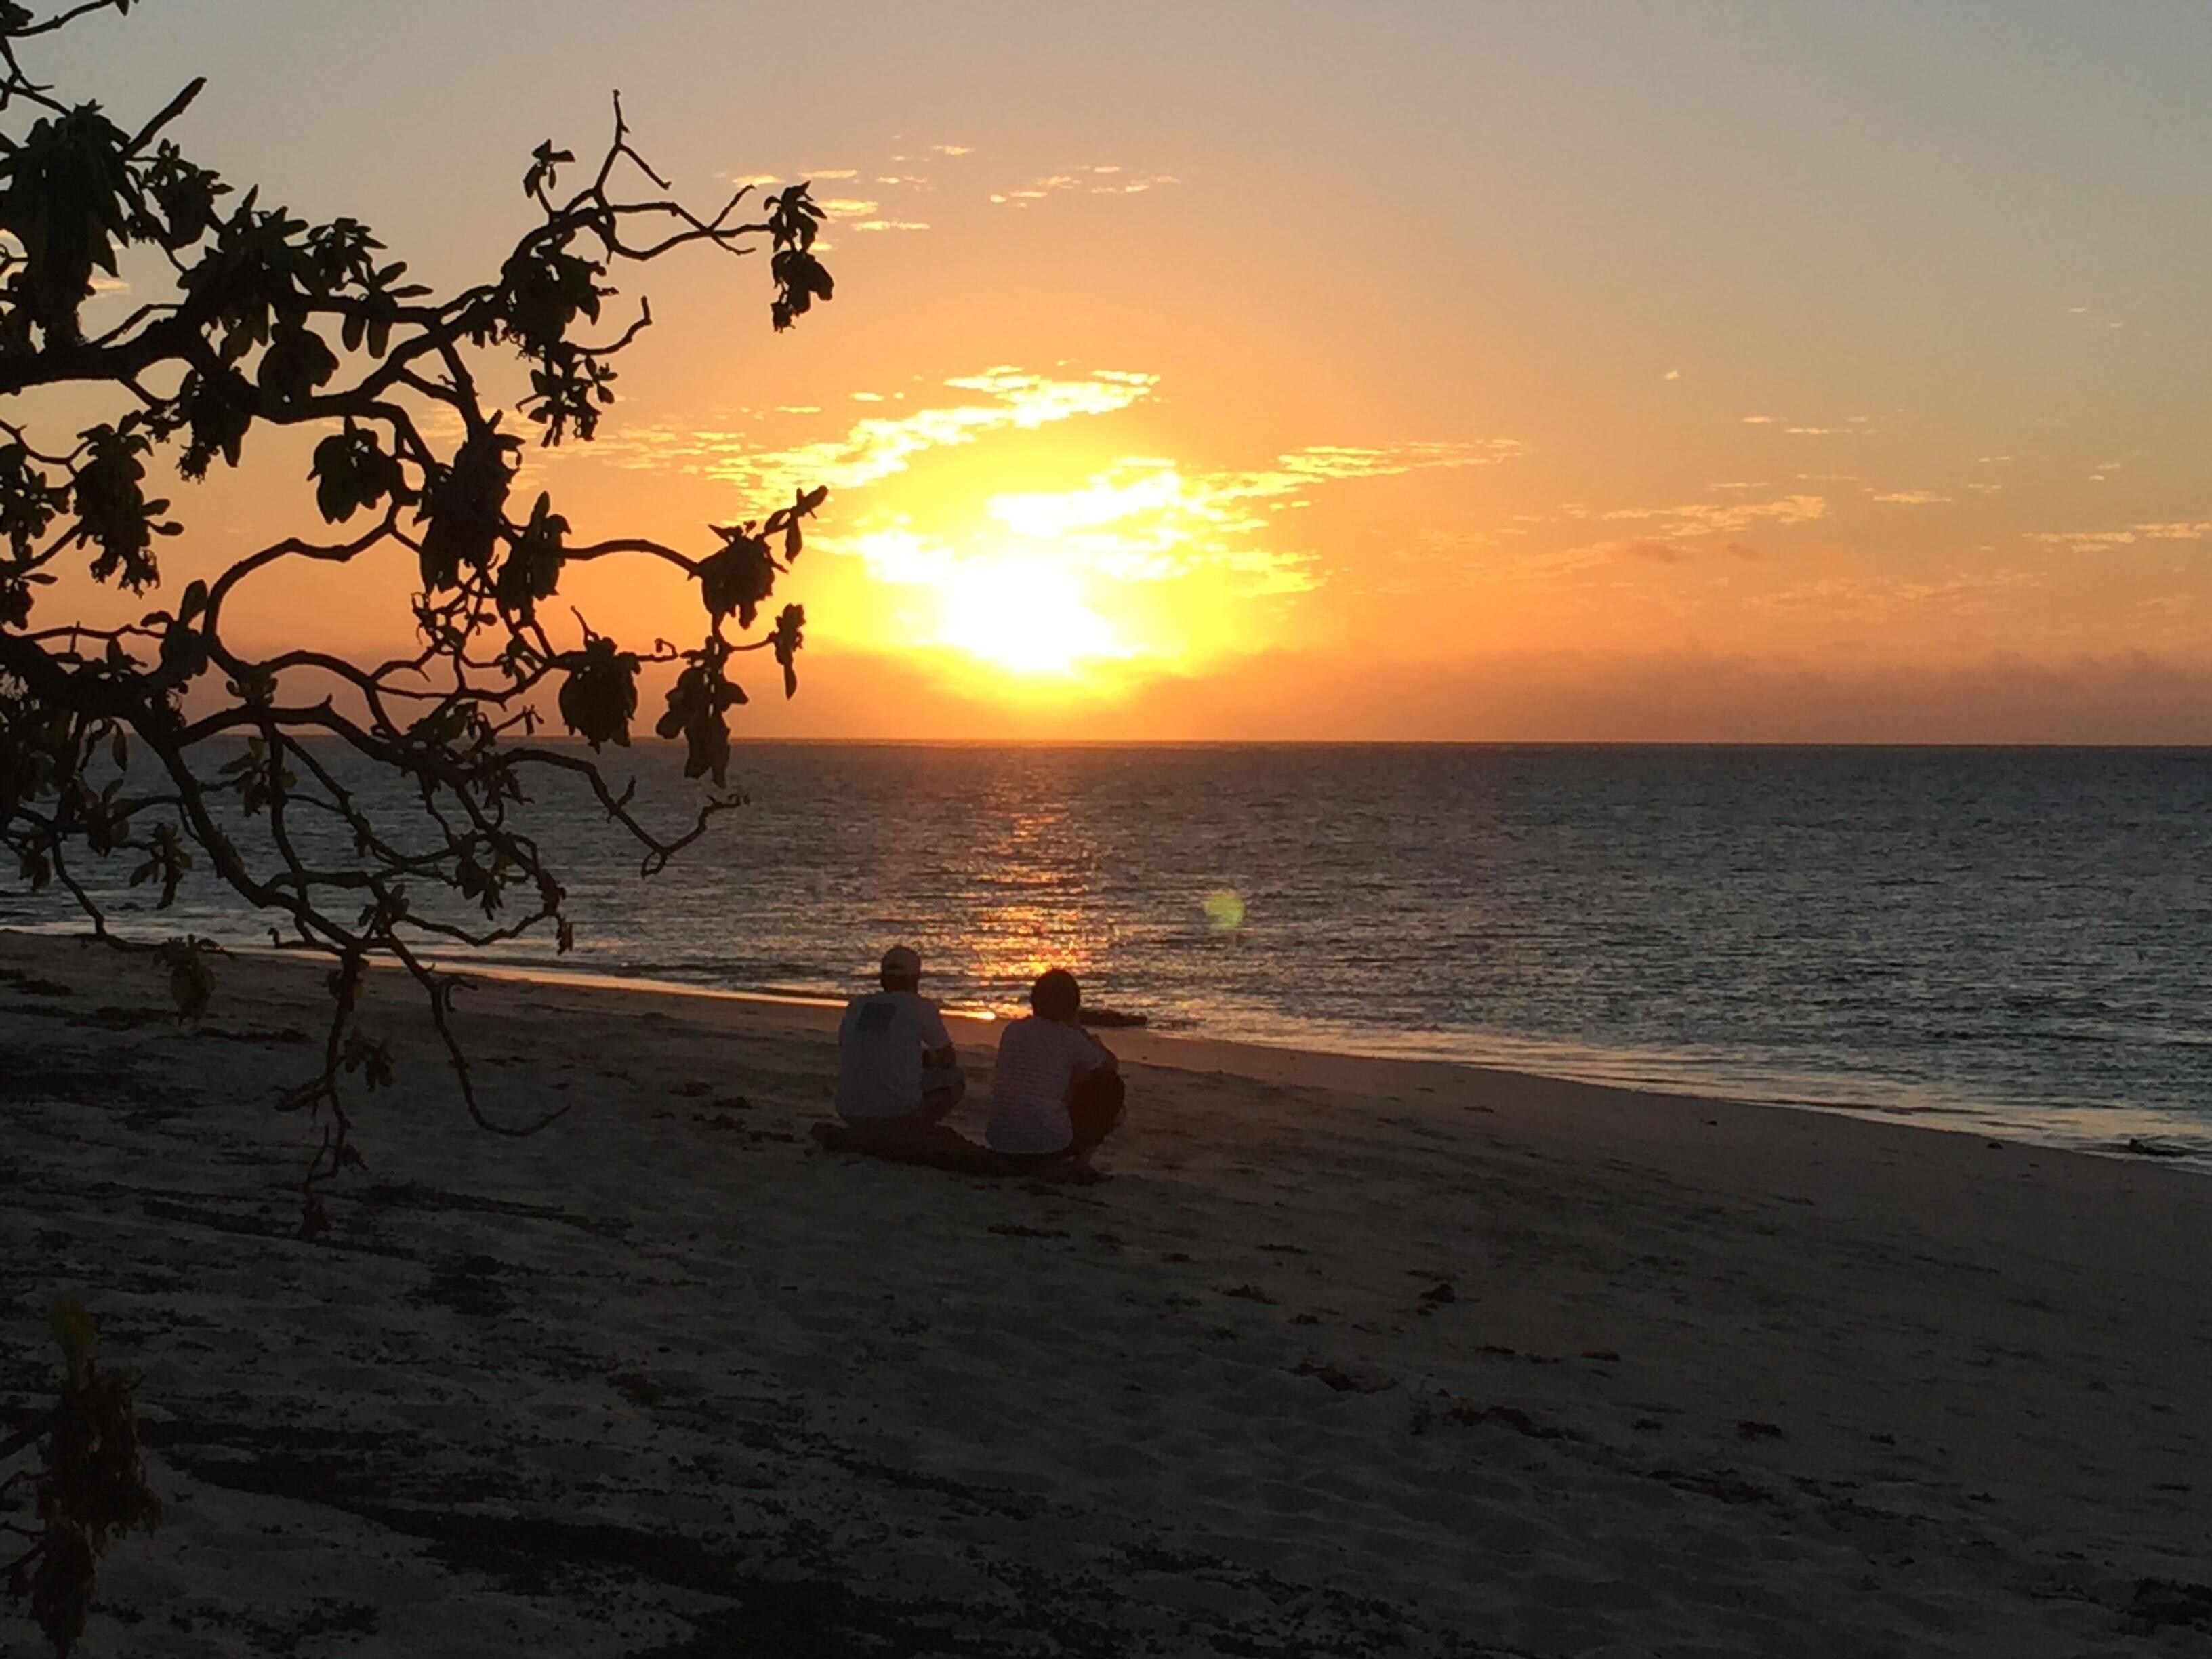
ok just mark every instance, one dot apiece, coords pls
pixel 2012 939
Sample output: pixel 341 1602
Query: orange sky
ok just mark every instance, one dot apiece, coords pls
pixel 1299 371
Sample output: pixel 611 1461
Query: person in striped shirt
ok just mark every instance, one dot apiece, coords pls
pixel 1056 1092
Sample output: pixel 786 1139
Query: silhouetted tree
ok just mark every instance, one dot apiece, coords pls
pixel 261 319
pixel 267 320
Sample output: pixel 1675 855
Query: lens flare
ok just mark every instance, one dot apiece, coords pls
pixel 1224 910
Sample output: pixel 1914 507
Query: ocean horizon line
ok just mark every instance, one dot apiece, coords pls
pixel 1516 745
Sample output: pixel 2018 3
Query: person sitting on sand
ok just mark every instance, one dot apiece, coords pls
pixel 1056 1092
pixel 896 1068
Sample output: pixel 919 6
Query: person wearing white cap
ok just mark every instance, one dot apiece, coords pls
pixel 895 1066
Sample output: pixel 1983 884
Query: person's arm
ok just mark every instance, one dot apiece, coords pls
pixel 1105 1061
pixel 937 1054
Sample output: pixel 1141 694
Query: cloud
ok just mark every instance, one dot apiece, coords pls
pixel 2093 541
pixel 1874 599
pixel 1913 498
pixel 876 447
pixel 1149 519
pixel 848 207
pixel 1344 461
pixel 1720 518
pixel 888 224
pixel 1104 180
pixel 1671 374
pixel 953 149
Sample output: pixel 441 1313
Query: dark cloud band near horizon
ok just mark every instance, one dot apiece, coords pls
pixel 1558 698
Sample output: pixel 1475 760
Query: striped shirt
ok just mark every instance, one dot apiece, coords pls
pixel 1039 1061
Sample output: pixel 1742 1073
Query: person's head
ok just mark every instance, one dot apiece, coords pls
pixel 901 968
pixel 1056 995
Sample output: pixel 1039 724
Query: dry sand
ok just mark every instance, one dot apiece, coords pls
pixel 668 1379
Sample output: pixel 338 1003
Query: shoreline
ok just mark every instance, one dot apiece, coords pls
pixel 2127 1134
pixel 1348 1356
pixel 2191 1142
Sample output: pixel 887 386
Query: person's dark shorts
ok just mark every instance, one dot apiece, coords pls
pixel 1095 1105
pixel 1094 1111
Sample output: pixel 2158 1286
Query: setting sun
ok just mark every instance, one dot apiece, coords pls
pixel 1024 615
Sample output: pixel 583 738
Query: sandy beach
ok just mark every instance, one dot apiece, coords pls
pixel 1349 1357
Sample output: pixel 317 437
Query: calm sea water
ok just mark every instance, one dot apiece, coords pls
pixel 2020 938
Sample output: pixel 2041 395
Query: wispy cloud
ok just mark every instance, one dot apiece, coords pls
pixel 1149 519
pixel 1912 498
pixel 1111 179
pixel 2093 541
pixel 1872 599
pixel 1715 517
pixel 878 447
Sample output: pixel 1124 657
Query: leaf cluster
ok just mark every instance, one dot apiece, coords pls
pixel 89 1488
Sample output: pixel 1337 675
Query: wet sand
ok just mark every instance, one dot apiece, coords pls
pixel 1349 1357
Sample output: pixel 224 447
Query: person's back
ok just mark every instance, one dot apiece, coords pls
pixel 879 1057
pixel 1054 1091
pixel 894 1059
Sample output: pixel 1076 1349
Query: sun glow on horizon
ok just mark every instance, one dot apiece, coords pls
pixel 1056 530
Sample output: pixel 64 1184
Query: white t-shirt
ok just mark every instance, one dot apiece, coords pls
pixel 879 1047
pixel 1039 1061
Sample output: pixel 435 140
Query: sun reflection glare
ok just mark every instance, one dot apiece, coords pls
pixel 1224 910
